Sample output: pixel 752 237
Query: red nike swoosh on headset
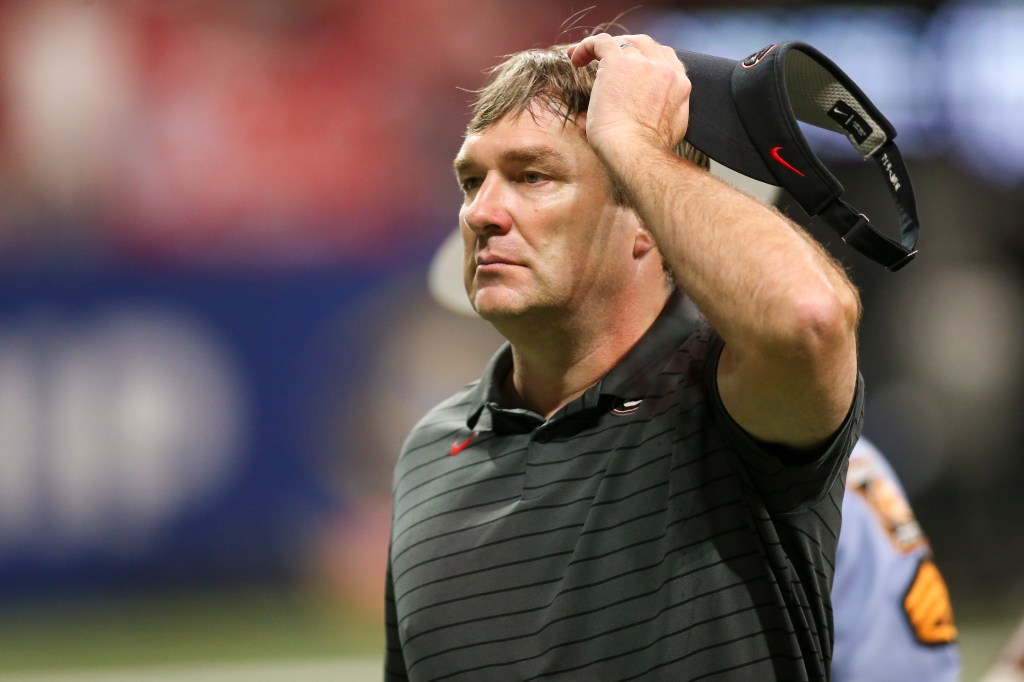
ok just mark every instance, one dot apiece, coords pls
pixel 775 155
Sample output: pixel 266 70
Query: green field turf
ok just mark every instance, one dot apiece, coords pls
pixel 183 628
pixel 261 635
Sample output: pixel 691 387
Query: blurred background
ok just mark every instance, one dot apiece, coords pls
pixel 216 221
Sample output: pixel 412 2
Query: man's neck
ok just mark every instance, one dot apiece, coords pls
pixel 555 363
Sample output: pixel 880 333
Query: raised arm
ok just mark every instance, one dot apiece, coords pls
pixel 787 313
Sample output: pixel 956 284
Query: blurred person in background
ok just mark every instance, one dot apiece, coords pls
pixel 628 490
pixel 893 616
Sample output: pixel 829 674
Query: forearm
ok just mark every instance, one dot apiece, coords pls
pixel 787 312
pixel 754 274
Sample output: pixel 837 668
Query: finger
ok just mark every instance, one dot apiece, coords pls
pixel 649 48
pixel 644 44
pixel 595 47
pixel 670 56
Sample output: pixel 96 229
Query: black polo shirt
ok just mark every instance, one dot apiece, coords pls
pixel 639 534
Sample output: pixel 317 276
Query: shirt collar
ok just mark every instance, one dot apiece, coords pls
pixel 676 322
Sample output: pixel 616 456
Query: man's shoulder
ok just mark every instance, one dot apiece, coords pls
pixel 444 418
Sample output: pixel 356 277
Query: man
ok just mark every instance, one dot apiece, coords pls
pixel 892 612
pixel 628 492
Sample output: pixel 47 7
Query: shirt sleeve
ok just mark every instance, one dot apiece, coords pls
pixel 394 659
pixel 785 486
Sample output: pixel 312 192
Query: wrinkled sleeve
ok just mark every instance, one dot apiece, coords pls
pixel 785 486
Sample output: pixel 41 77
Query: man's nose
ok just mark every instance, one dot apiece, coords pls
pixel 488 212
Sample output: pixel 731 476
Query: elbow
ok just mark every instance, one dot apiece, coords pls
pixel 823 325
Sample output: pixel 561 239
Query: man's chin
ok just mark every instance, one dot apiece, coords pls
pixel 497 303
pixel 493 312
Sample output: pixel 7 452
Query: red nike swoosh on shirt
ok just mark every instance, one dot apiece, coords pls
pixel 775 155
pixel 459 446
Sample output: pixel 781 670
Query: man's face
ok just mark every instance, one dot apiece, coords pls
pixel 540 229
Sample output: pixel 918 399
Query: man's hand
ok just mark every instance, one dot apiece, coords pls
pixel 641 94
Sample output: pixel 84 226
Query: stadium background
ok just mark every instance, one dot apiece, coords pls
pixel 216 219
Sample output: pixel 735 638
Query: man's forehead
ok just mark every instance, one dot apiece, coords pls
pixel 527 134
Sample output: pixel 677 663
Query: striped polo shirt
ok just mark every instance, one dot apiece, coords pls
pixel 638 534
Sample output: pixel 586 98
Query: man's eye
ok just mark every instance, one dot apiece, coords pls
pixel 469 184
pixel 532 177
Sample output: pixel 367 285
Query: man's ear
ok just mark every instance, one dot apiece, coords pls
pixel 643 242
